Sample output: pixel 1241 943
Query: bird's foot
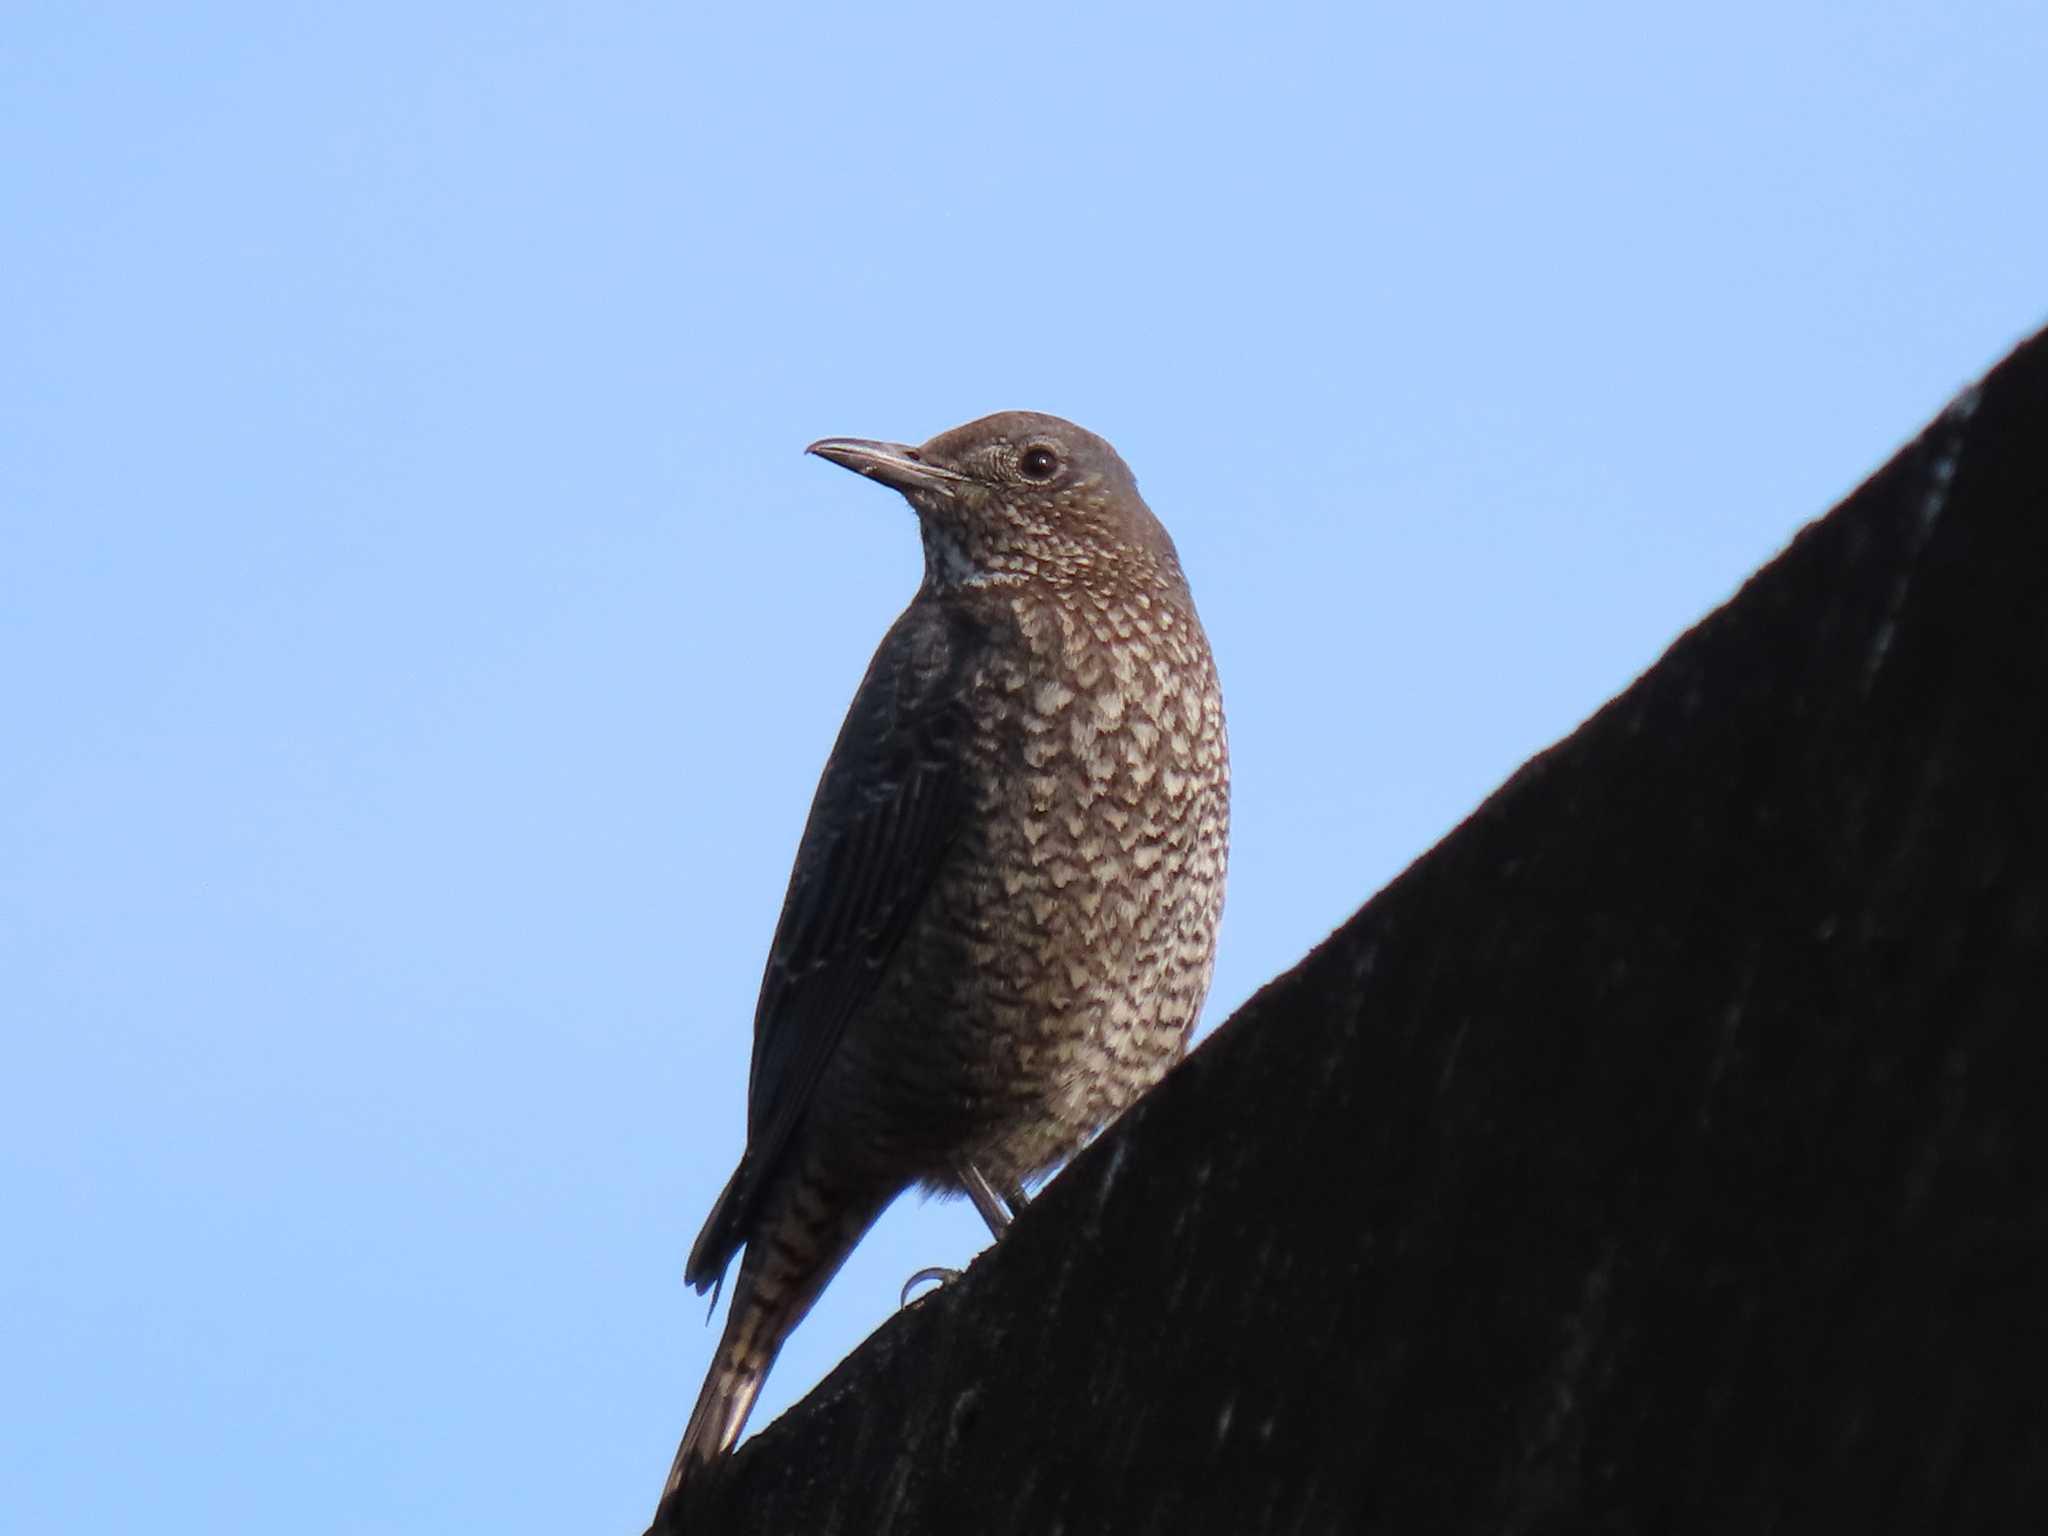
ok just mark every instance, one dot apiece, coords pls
pixel 937 1275
pixel 998 1207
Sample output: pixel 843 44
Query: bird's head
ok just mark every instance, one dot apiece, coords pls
pixel 1020 497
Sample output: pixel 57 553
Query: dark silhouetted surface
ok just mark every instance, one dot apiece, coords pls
pixel 1662 1152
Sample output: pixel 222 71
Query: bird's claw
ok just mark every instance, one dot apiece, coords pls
pixel 937 1274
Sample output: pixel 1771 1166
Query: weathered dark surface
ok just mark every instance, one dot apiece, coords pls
pixel 1665 1151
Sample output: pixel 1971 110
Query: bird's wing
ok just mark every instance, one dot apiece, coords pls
pixel 887 810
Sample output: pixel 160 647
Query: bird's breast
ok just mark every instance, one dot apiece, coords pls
pixel 1101 799
pixel 1062 958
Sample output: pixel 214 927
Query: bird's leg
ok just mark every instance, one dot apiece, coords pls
pixel 1014 1197
pixel 994 1208
pixel 998 1209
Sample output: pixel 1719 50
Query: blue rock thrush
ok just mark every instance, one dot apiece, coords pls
pixel 1002 919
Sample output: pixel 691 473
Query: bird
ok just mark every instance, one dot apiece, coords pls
pixel 1001 924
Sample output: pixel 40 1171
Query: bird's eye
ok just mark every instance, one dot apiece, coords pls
pixel 1039 463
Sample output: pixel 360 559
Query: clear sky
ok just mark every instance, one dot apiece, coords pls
pixel 420 631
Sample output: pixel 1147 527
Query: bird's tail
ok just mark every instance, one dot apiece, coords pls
pixel 799 1248
pixel 753 1335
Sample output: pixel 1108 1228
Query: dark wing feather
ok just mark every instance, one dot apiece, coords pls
pixel 887 810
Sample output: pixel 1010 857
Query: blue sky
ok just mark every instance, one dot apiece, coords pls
pixel 420 631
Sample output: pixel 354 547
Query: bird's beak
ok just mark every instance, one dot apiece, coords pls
pixel 895 465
